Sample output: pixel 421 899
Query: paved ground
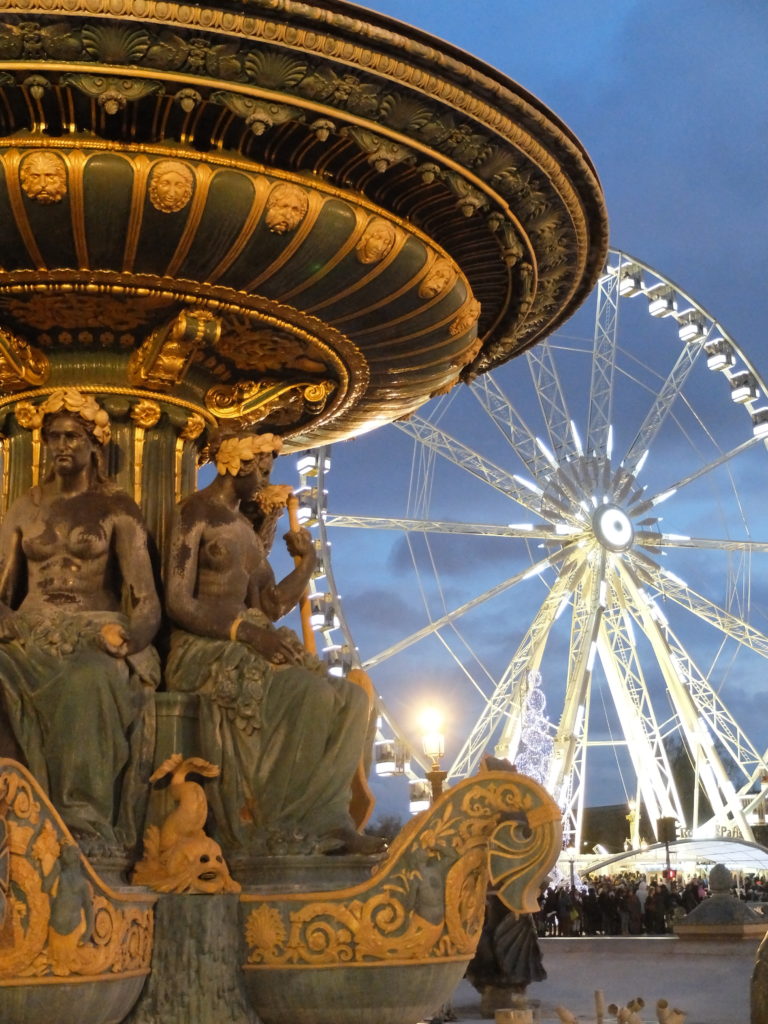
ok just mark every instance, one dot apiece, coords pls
pixel 709 980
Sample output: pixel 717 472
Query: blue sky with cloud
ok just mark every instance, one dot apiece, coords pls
pixel 671 102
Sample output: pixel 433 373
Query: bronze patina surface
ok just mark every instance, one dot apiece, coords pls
pixel 364 214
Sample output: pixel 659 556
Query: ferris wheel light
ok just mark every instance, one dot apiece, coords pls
pixel 579 723
pixel 743 387
pixel 546 453
pixel 591 656
pixel 663 496
pixel 528 484
pixel 576 439
pixel 658 614
pixel 535 571
pixel 674 578
pixel 641 461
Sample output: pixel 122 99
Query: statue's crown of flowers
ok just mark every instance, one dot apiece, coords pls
pixel 66 400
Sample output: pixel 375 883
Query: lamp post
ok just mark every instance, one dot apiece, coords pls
pixel 433 742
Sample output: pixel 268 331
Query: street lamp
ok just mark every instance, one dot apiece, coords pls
pixel 433 742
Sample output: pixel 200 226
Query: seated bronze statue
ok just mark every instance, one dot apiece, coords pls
pixel 287 736
pixel 79 611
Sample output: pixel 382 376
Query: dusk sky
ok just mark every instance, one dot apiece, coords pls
pixel 671 102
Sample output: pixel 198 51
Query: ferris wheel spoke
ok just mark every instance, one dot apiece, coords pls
pixel 525 493
pixel 671 540
pixel 603 365
pixel 519 531
pixel 683 681
pixel 535 570
pixel 511 424
pixel 663 405
pixel 619 658
pixel 549 390
pixel 505 701
pixel 674 589
pixel 709 704
pixel 721 460
pixel 570 739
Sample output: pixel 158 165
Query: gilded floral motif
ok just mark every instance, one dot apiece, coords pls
pixel 31 417
pixel 47 312
pixel 427 900
pixel 193 427
pixel 145 413
pixel 235 450
pixel 267 350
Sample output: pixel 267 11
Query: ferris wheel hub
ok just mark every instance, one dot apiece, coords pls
pixel 613 528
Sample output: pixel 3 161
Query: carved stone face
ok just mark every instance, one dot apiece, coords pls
pixel 286 208
pixel 437 280
pixel 377 241
pixel 44 177
pixel 198 865
pixel 170 187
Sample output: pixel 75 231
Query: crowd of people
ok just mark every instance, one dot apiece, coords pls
pixel 626 904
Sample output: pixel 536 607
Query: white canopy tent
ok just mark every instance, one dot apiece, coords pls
pixel 687 855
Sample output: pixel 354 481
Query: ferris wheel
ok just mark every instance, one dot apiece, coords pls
pixel 586 532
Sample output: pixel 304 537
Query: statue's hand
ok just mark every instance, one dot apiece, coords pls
pixel 114 639
pixel 7 626
pixel 299 543
pixel 268 643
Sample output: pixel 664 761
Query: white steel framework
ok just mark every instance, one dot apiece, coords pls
pixel 594 535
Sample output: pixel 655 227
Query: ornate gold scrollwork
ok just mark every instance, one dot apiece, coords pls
pixel 250 402
pixel 426 902
pixel 103 934
pixel 20 363
pixel 164 358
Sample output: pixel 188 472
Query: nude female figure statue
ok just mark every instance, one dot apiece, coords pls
pixel 287 735
pixel 78 611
